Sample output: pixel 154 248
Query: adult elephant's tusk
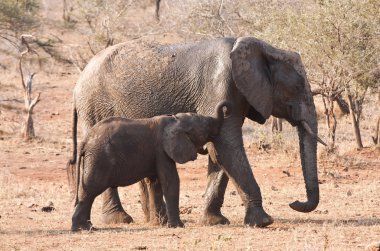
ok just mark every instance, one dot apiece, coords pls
pixel 308 129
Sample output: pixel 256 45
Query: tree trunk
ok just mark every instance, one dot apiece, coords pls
pixel 355 115
pixel 28 130
pixel 358 137
pixel 65 14
pixel 331 122
pixel 375 138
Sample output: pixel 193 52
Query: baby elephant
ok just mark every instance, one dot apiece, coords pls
pixel 120 152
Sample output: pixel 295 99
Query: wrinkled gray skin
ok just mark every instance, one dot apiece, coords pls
pixel 258 79
pixel 120 152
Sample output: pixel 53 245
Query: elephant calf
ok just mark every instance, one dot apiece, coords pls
pixel 120 152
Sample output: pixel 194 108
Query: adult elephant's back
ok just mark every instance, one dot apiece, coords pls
pixel 139 79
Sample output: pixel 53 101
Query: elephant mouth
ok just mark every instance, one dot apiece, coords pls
pixel 307 128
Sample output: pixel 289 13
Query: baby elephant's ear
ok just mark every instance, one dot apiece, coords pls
pixel 177 144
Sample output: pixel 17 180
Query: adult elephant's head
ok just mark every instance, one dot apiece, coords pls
pixel 274 83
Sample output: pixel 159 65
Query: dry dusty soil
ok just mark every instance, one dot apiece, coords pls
pixel 33 179
pixel 32 176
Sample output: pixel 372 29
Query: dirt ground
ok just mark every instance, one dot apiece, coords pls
pixel 33 177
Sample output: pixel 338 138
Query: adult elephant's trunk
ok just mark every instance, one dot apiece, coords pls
pixel 308 152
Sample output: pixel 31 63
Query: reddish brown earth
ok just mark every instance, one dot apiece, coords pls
pixel 32 174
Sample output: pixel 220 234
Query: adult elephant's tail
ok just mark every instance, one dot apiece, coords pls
pixel 72 162
pixel 76 178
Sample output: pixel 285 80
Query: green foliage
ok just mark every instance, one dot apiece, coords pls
pixel 338 40
pixel 102 19
pixel 17 16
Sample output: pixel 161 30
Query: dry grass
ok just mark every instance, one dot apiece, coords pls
pixel 32 174
pixel 347 218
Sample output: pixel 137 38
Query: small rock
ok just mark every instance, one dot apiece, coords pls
pixel 349 193
pixel 186 210
pixel 321 212
pixel 274 188
pixel 140 248
pixel 31 205
pixel 374 246
pixel 47 209
pixel 233 193
pixel 286 172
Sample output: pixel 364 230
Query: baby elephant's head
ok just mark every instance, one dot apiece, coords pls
pixel 189 132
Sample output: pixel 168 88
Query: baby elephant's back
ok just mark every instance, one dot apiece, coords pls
pixel 127 145
pixel 121 135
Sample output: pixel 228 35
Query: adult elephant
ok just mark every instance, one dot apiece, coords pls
pixel 140 79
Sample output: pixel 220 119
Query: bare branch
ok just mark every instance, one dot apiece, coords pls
pixel 35 101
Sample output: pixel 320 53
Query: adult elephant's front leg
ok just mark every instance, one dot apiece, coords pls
pixel 214 195
pixel 230 154
pixel 113 211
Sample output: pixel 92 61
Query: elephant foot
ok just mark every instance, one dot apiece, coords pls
pixel 117 217
pixel 158 220
pixel 257 217
pixel 175 224
pixel 212 218
pixel 75 227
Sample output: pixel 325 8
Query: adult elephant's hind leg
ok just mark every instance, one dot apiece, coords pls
pixel 214 195
pixel 81 218
pixel 152 201
pixel 112 209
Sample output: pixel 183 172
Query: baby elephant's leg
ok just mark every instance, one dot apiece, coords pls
pixel 169 179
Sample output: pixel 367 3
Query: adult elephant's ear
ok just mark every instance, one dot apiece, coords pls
pixel 251 74
pixel 177 144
